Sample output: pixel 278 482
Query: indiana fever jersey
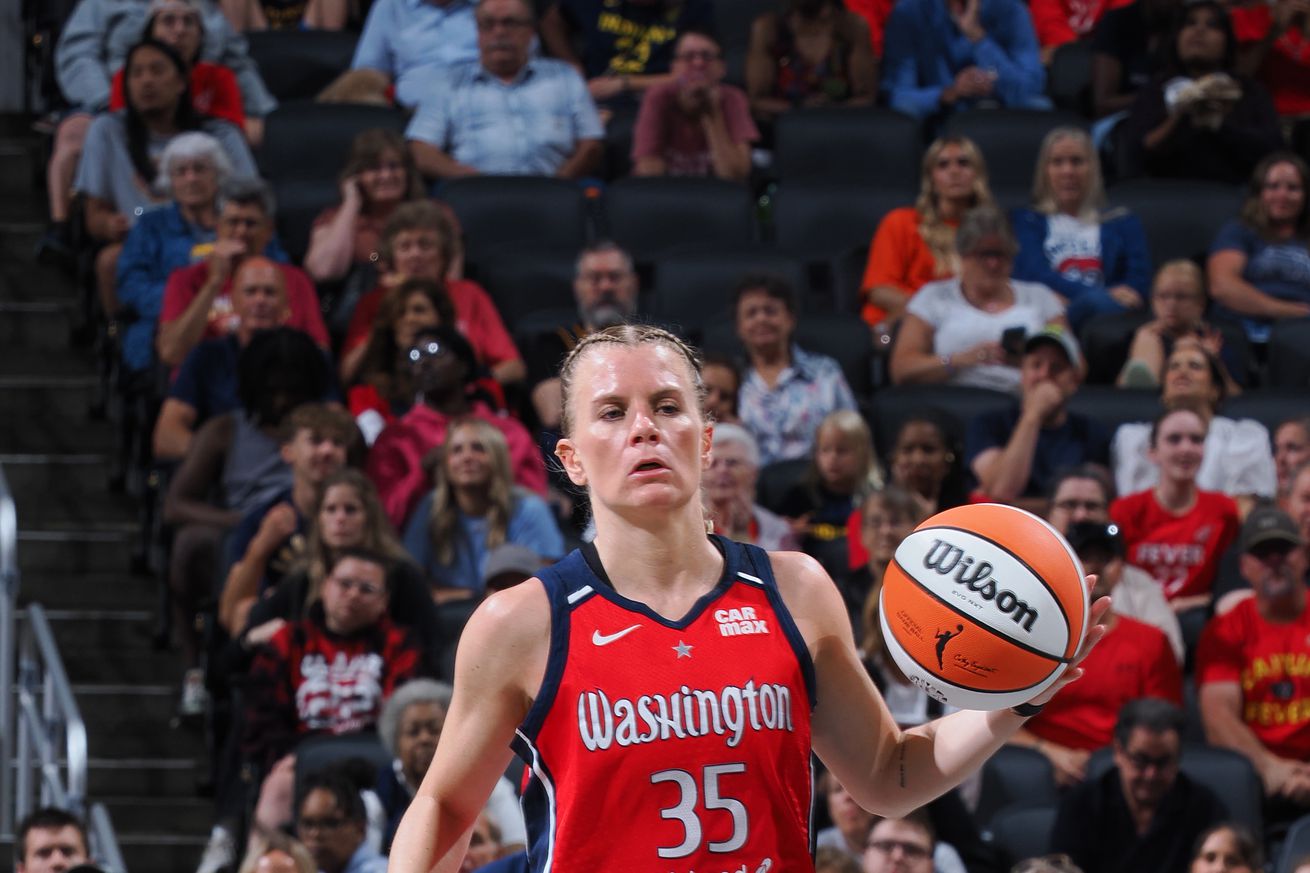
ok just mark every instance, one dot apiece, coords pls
pixel 661 746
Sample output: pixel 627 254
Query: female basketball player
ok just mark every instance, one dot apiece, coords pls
pixel 665 687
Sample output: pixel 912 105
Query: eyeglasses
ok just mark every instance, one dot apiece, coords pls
pixel 305 825
pixel 431 349
pixel 488 24
pixel 594 276
pixel 909 850
pixel 994 254
pixel 1142 761
pixel 386 167
pixel 346 584
pixel 1073 505
pixel 705 55
pixel 1268 550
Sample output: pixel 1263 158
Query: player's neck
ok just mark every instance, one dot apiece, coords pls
pixel 667 567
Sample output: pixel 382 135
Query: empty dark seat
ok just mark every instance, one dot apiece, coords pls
pixel 299 201
pixel 852 146
pixel 1295 847
pixel 777 479
pixel 500 211
pixel 823 220
pixel 1010 140
pixel 1289 355
pixel 1015 776
pixel 1105 341
pixel 1113 406
pixel 694 289
pixel 1069 80
pixel 1181 217
pixel 1269 407
pixel 1023 832
pixel 651 216
pixel 297 64
pixel 526 281
pixel 312 140
pixel 315 754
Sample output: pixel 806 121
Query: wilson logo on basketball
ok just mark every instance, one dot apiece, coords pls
pixel 976 575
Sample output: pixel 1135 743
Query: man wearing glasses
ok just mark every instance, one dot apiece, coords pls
pixel 900 845
pixel 508 113
pixel 1142 813
pixel 331 821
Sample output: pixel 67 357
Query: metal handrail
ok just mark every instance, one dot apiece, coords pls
pixel 47 709
pixel 8 612
pixel 104 843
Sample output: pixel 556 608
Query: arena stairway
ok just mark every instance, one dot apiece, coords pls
pixel 76 540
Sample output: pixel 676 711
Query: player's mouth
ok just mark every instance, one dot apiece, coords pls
pixel 647 467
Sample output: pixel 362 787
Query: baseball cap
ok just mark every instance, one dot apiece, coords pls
pixel 1085 535
pixel 510 559
pixel 1061 338
pixel 182 5
pixel 1267 523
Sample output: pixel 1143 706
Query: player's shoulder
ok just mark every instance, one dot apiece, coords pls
pixel 508 626
pixel 808 591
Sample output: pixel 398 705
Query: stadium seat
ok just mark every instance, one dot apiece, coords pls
pixel 500 211
pixel 1106 339
pixel 1225 772
pixel 297 64
pixel 1010 140
pixel 848 146
pixel 958 404
pixel 1295 847
pixel 1181 217
pixel 1269 407
pixel 694 289
pixel 523 281
pixel 1023 832
pixel 312 140
pixel 618 143
pixel 1014 777
pixel 1069 79
pixel 777 479
pixel 1113 406
pixel 733 20
pixel 822 220
pixel 299 201
pixel 842 337
pixel 651 216
pixel 1289 355
pixel 315 754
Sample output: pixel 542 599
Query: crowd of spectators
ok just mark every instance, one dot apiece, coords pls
pixel 357 439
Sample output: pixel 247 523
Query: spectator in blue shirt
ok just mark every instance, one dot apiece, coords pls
pixel 1096 260
pixel 406 44
pixel 944 55
pixel 191 169
pixel 508 113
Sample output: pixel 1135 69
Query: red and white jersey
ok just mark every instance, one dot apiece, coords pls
pixel 660 746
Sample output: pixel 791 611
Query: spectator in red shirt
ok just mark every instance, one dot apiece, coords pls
pixel 695 125
pixel 198 300
pixel 1252 665
pixel 419 241
pixel 214 90
pixel 1060 21
pixel 1175 531
pixel 442 367
pixel 1133 660
pixel 1272 42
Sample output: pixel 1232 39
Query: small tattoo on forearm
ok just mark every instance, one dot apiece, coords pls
pixel 902 765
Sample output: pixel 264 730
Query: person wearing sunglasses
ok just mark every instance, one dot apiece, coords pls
pixel 1143 813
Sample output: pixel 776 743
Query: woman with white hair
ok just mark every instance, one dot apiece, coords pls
pixel 729 490
pixel 192 168
pixel 1097 260
pixel 409 727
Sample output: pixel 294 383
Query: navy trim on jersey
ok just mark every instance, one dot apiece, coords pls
pixel 758 559
pixel 539 807
pixel 556 580
pixel 605 588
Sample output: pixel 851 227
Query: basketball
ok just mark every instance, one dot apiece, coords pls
pixel 983 606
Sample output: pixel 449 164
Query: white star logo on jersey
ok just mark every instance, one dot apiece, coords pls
pixel 683 649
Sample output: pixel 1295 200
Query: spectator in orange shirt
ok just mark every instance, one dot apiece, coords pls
pixel 916 244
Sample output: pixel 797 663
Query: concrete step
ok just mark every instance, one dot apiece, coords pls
pixel 90 591
pixel 67 509
pixel 64 395
pixel 47 432
pixel 111 705
pixel 21 278
pixel 40 324
pixel 19 156
pixel 40 362
pixel 146 815
pixel 42 473
pixel 81 632
pixel 63 550
pixel 125 667
pixel 148 775
pixel 158 853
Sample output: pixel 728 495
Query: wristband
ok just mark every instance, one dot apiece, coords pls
pixel 946 362
pixel 1027 710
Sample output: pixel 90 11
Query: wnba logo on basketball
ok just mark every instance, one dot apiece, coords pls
pixel 976 576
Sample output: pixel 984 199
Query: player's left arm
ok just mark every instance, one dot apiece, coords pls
pixel 887 770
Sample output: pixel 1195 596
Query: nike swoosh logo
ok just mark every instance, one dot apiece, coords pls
pixel 600 639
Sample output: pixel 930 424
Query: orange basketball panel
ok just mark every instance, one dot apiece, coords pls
pixel 953 647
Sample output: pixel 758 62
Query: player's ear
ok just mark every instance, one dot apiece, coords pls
pixel 572 464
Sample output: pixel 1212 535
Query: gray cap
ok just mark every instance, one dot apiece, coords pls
pixel 511 558
pixel 1267 523
pixel 1061 338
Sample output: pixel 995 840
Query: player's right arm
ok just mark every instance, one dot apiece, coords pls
pixel 498 671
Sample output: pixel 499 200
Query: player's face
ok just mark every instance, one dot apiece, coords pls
pixel 897 847
pixel 329 836
pixel 341 517
pixel 52 850
pixel 416 737
pixel 1220 854
pixel 1291 450
pixel 1179 446
pixel 1148 765
pixel 354 596
pixel 1077 500
pixel 638 438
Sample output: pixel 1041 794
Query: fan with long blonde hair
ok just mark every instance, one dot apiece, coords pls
pixel 937 234
pixel 443 524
